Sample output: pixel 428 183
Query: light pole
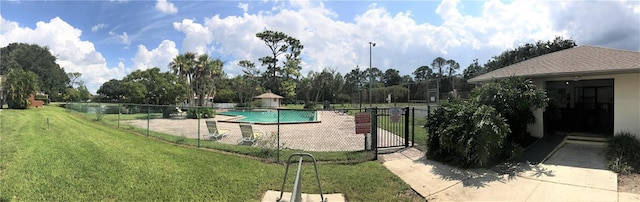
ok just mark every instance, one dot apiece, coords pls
pixel 371 45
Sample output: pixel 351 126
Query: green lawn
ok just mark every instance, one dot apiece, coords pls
pixel 82 160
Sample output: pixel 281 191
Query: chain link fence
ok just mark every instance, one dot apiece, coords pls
pixel 274 133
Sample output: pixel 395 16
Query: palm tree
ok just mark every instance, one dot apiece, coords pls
pixel 439 63
pixel 453 66
pixel 183 66
pixel 205 74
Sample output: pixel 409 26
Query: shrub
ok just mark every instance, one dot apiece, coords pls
pixel 514 98
pixel 268 145
pixel 466 133
pixel 99 114
pixel 180 140
pixel 623 153
pixel 310 105
pixel 202 112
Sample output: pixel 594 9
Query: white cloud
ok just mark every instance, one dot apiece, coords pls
pixel 63 40
pixel 6 26
pixel 166 7
pixel 97 27
pixel 158 57
pixel 197 36
pixel 122 38
pixel 402 43
pixel 243 6
pixel 611 24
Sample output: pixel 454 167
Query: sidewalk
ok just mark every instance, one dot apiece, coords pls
pixel 438 182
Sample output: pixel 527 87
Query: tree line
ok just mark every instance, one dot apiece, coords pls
pixel 30 69
pixel 192 76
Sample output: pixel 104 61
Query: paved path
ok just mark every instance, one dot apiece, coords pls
pixel 272 195
pixel 438 182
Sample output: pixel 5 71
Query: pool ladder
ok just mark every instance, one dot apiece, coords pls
pixel 296 194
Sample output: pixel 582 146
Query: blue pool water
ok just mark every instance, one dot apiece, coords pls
pixel 286 116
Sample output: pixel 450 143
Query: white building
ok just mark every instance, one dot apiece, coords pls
pixel 269 100
pixel 597 90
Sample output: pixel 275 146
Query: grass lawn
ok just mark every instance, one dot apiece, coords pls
pixel 82 160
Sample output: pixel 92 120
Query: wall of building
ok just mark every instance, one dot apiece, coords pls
pixel 626 106
pixel 537 129
pixel 270 102
pixel 35 103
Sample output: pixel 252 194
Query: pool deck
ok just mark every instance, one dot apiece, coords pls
pixel 335 132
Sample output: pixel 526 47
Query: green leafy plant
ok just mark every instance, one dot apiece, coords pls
pixel 268 145
pixel 99 114
pixel 466 133
pixel 201 112
pixel 514 98
pixel 490 126
pixel 310 105
pixel 19 86
pixel 622 153
pixel 620 165
pixel 180 140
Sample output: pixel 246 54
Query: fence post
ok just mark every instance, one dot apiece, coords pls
pixel 413 126
pixel 119 112
pixel 148 118
pixel 198 116
pixel 278 139
pixel 406 127
pixel 374 132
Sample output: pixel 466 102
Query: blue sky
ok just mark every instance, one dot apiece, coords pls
pixel 109 39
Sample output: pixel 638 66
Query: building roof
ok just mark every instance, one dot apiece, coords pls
pixel 577 61
pixel 268 95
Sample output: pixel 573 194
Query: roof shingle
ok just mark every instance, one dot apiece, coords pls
pixel 577 61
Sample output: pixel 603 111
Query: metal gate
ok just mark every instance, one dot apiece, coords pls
pixel 392 127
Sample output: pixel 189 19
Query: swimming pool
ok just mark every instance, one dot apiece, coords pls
pixel 271 117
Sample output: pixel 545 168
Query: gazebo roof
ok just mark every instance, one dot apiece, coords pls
pixel 268 95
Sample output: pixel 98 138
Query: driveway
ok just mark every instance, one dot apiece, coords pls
pixel 555 180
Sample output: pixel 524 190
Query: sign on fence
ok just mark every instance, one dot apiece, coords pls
pixel 395 114
pixel 363 123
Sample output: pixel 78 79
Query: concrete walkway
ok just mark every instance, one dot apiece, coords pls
pixel 438 182
pixel 272 195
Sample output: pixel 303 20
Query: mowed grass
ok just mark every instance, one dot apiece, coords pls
pixel 82 160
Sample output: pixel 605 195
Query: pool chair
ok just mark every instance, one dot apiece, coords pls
pixel 248 135
pixel 214 132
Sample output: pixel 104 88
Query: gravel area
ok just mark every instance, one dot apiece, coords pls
pixel 629 183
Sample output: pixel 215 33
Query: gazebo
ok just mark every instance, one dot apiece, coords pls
pixel 269 100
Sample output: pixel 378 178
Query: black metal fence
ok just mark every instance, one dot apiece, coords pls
pixel 327 134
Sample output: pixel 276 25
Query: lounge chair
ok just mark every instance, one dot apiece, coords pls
pixel 248 134
pixel 214 132
pixel 179 111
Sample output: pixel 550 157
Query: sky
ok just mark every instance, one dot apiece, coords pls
pixel 106 40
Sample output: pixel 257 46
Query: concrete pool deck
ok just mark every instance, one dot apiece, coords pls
pixel 335 132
